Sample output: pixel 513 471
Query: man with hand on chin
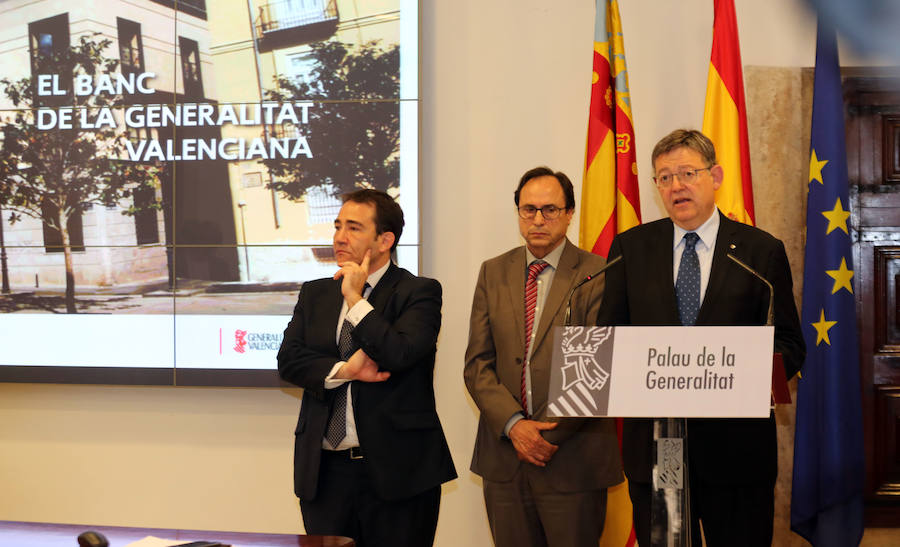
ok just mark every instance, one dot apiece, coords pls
pixel 369 453
pixel 544 481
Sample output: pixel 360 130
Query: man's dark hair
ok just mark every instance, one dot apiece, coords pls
pixel 388 214
pixel 685 138
pixel 561 177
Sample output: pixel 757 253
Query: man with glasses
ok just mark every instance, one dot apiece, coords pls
pixel 544 480
pixel 675 271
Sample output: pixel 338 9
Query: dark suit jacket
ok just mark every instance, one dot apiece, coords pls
pixel 588 456
pixel 641 291
pixel 399 430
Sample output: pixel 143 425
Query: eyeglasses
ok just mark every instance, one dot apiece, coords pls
pixel 686 176
pixel 549 212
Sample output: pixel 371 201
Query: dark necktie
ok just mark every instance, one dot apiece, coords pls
pixel 687 287
pixel 337 421
pixel 534 269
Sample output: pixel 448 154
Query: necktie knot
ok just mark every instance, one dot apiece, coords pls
pixel 535 269
pixel 690 240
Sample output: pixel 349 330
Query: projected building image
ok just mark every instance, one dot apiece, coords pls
pixel 166 158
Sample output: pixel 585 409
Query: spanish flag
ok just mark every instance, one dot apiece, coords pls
pixel 725 116
pixel 610 200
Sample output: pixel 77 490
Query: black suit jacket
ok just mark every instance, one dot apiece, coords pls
pixel 398 427
pixel 641 291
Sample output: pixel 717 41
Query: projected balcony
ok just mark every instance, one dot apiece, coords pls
pixel 197 8
pixel 287 23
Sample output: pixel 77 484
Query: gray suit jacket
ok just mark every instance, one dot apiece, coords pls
pixel 588 456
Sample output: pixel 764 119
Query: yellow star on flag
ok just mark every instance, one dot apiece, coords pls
pixel 842 277
pixel 837 218
pixel 822 329
pixel 815 167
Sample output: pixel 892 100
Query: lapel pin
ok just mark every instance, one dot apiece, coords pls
pixel 732 246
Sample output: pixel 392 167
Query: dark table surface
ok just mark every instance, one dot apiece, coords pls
pixel 38 534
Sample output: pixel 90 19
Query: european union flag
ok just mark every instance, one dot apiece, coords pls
pixel 827 497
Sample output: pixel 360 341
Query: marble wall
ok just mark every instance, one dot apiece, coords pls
pixel 779 103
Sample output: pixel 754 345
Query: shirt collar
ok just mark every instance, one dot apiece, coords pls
pixel 376 276
pixel 552 257
pixel 706 232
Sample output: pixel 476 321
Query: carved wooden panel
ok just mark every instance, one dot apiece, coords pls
pixel 891 148
pixel 873 159
pixel 887 434
pixel 887 280
pixel 877 280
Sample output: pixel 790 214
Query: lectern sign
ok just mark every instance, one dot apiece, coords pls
pixel 722 372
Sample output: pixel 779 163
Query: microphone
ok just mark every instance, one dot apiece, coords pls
pixel 770 316
pixel 582 282
pixel 92 539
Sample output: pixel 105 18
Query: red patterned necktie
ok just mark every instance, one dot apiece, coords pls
pixel 534 269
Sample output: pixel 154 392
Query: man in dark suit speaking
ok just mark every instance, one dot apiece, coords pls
pixel 675 271
pixel 370 454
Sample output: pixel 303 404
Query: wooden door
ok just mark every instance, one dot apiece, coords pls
pixel 872 98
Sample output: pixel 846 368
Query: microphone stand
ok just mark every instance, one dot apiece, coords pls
pixel 582 282
pixel 770 316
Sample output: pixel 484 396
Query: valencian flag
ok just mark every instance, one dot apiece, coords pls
pixel 827 496
pixel 725 116
pixel 610 201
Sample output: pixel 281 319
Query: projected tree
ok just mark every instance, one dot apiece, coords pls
pixel 354 126
pixel 52 174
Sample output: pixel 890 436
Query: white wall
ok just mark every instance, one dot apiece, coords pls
pixel 504 88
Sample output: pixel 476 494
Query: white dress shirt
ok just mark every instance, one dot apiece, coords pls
pixel 707 232
pixel 354 315
pixel 544 282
